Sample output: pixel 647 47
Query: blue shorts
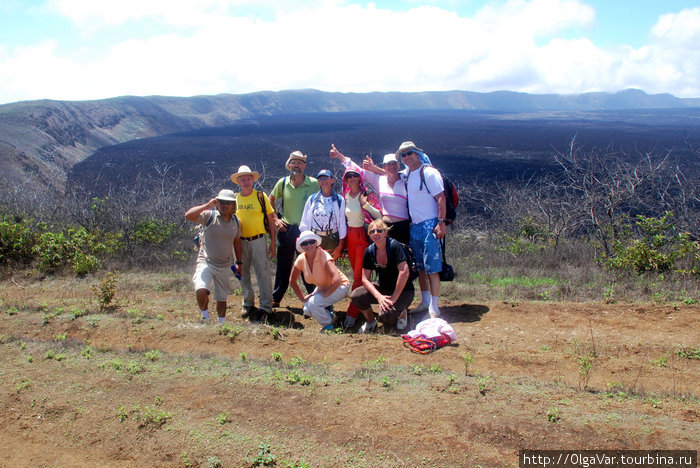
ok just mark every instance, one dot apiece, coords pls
pixel 426 247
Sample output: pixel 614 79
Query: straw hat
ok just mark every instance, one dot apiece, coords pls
pixel 244 170
pixel 298 155
pixel 405 146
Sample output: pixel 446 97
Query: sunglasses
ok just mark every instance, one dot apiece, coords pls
pixel 308 242
pixel 376 231
pixel 407 153
pixel 324 177
pixel 351 175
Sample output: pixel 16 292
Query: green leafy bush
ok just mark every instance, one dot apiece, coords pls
pixel 153 232
pixel 17 239
pixel 529 237
pixel 654 244
pixel 75 247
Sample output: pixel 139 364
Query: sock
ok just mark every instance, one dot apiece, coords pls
pixel 222 319
pixel 205 314
pixel 425 297
pixel 434 303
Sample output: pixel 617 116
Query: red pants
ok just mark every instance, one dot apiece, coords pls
pixel 356 242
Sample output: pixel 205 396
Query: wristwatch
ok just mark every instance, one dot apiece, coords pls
pixel 441 221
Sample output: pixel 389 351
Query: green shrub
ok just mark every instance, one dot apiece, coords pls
pixel 529 237
pixel 17 240
pixel 75 247
pixel 152 232
pixel 106 289
pixel 655 245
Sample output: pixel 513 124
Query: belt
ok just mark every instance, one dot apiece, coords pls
pixel 253 238
pixel 324 233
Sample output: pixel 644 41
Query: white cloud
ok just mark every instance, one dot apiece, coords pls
pixel 681 28
pixel 335 46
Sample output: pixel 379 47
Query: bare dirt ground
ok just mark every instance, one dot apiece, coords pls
pixel 146 384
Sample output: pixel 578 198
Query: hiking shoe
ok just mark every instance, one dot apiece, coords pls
pixel 328 329
pixel 349 322
pixel 247 311
pixel 368 327
pixel 264 317
pixel 420 309
pixel 402 322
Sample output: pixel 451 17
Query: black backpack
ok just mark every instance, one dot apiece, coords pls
pixel 261 200
pixel 410 261
pixel 408 253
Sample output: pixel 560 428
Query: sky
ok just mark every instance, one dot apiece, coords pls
pixel 96 49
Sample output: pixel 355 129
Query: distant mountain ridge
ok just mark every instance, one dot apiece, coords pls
pixel 41 140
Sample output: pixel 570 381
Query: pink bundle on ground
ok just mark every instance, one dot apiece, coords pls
pixel 429 335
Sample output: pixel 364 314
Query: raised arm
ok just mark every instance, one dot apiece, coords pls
pixel 369 166
pixel 193 213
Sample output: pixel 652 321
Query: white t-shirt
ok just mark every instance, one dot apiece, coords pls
pixel 421 203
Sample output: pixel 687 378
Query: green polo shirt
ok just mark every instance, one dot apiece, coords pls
pixel 294 198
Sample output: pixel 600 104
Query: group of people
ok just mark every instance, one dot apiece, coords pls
pixel 316 226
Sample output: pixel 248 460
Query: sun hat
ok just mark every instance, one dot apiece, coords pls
pixel 226 195
pixel 244 170
pixel 324 172
pixel 307 235
pixel 295 155
pixel 405 146
pixel 388 158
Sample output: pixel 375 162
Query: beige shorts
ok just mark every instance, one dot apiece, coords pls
pixel 205 274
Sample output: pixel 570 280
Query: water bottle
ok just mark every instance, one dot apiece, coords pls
pixel 236 271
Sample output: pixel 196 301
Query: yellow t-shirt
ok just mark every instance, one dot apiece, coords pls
pixel 250 213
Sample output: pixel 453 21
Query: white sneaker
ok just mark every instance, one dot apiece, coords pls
pixel 434 313
pixel 420 309
pixel 368 327
pixel 402 322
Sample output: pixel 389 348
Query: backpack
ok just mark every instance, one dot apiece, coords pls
pixel 410 261
pixel 200 230
pixel 317 195
pixel 451 194
pixel 261 199
pixel 408 253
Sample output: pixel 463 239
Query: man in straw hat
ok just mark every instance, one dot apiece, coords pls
pixel 256 215
pixel 293 190
pixel 427 206
pixel 221 237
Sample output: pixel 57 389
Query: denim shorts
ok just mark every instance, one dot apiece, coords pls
pixel 426 247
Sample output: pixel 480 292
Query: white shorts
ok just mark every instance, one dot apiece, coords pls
pixel 206 274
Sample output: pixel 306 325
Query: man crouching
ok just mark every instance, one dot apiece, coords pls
pixel 220 237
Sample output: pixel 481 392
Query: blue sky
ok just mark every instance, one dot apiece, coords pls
pixel 94 49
